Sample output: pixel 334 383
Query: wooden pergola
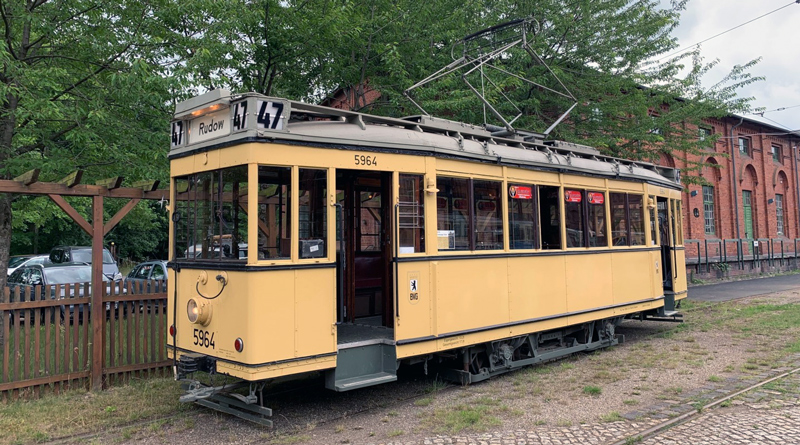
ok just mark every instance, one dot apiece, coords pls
pixel 28 184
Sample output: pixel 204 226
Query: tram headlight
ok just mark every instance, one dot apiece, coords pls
pixel 198 313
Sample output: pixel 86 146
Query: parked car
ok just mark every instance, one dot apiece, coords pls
pixel 18 261
pixel 27 278
pixel 148 277
pixel 83 254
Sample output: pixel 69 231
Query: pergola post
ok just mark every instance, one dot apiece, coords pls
pixel 98 308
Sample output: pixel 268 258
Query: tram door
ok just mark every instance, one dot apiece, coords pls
pixel 364 256
pixel 666 231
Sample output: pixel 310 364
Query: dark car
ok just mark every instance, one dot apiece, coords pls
pixel 147 277
pixel 83 254
pixel 47 276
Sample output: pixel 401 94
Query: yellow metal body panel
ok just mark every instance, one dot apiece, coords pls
pixel 458 301
pixel 282 316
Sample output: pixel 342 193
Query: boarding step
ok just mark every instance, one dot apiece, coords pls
pixel 361 366
pixel 364 381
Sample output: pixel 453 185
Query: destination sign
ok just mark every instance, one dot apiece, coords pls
pixel 210 126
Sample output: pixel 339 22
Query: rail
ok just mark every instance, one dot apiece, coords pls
pixel 705 255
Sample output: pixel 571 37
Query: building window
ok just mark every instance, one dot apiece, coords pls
pixel 744 146
pixel 704 133
pixel 708 210
pixel 779 212
pixel 776 154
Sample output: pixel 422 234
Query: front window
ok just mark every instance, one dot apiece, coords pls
pixel 210 216
pixel 708 209
pixel 274 213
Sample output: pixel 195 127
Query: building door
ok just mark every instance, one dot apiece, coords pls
pixel 748 214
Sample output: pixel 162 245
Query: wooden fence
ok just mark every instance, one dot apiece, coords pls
pixel 47 336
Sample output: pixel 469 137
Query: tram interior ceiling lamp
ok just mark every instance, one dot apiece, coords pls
pixel 696 212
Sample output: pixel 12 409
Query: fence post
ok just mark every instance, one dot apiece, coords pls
pixel 98 308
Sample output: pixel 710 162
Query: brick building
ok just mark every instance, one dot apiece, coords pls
pixel 753 195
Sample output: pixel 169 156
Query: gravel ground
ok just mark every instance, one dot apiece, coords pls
pixel 659 363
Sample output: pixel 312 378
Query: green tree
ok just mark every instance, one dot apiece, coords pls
pixel 83 85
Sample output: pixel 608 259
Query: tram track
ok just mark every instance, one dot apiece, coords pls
pixel 667 424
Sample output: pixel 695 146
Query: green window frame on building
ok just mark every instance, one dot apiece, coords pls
pixel 779 213
pixel 748 213
pixel 708 210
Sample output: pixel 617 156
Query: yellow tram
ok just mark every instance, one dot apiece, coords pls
pixel 310 239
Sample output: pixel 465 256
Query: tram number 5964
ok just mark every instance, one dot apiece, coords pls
pixel 204 338
pixel 366 160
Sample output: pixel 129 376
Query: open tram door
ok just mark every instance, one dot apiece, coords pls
pixel 667 237
pixel 364 248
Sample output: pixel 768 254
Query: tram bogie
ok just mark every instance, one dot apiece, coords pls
pixel 306 239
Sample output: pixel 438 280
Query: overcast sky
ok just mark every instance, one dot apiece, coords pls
pixel 775 38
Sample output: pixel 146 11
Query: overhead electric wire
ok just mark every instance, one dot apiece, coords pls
pixel 729 30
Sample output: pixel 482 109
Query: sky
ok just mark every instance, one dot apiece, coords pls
pixel 775 38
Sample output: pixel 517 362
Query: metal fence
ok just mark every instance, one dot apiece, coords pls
pixel 48 336
pixel 704 255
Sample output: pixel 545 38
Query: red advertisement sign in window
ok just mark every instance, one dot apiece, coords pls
pixel 520 192
pixel 596 198
pixel 572 195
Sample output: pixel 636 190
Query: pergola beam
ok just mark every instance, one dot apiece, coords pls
pixel 120 214
pixel 52 188
pixel 69 210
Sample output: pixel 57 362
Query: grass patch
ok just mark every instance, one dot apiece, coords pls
pixel 395 433
pixel 459 418
pixel 118 406
pixel 613 416
pixel 592 390
pixel 714 378
pixel 425 401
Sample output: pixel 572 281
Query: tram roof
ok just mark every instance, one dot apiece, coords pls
pixel 210 121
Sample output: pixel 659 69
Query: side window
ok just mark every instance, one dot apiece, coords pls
pixel 651 204
pixel 488 208
pixel 412 214
pixel 35 278
pixel 452 213
pixel 549 210
pixel 134 272
pixel 596 203
pixel 522 217
pixel 158 273
pixel 636 212
pixel 144 271
pixel 619 219
pixel 313 213
pixel 573 209
pixel 274 213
